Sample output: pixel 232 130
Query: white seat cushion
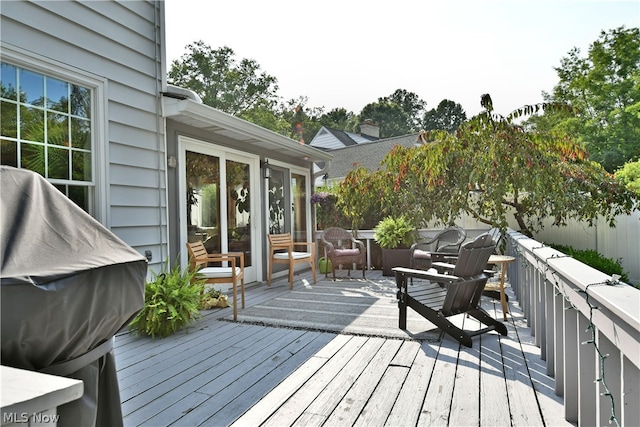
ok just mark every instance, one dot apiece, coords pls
pixel 218 272
pixel 294 255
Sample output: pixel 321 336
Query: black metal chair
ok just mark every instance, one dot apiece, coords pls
pixel 456 291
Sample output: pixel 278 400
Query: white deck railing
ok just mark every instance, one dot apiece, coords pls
pixel 587 328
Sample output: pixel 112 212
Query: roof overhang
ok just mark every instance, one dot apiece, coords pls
pixel 203 117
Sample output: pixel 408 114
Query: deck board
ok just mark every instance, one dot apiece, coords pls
pixel 408 405
pixel 223 373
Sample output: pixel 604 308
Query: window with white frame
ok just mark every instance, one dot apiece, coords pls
pixel 46 126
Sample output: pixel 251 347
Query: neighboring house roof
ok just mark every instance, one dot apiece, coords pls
pixel 368 155
pixel 331 139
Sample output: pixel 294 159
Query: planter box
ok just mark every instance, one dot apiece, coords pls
pixel 394 258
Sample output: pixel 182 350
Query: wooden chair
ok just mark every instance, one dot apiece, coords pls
pixel 282 252
pixel 343 249
pixel 455 292
pixel 199 259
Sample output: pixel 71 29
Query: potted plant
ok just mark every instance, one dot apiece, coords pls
pixel 395 235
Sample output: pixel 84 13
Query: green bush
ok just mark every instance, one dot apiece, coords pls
pixel 393 233
pixel 171 301
pixel 594 259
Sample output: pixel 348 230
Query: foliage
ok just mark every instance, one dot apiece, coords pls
pixel 397 114
pixel 171 301
pixel 327 213
pixel 629 175
pixel 448 117
pixel 221 81
pixel 410 103
pixel 340 118
pixel 594 259
pixel 303 121
pixel 604 89
pixel 363 194
pixel 490 168
pixel 395 232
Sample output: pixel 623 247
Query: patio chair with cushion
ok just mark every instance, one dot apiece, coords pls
pixel 456 291
pixel 282 252
pixel 233 273
pixel 440 247
pixel 341 248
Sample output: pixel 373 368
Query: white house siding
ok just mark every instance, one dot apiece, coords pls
pixel 121 44
pixel 326 140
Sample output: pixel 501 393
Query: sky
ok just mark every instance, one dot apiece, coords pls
pixel 348 53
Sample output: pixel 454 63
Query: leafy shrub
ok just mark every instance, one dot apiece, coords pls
pixel 171 301
pixel 392 233
pixel 594 259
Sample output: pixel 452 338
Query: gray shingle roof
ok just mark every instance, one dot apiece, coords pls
pixel 368 154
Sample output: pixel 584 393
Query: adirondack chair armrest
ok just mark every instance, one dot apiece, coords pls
pixel 427 274
pixel 443 266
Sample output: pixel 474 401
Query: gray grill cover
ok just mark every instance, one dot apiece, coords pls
pixel 68 285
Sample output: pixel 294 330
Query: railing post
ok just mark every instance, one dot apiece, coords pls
pixel 630 409
pixel 587 388
pixel 611 376
pixel 549 326
pixel 559 328
pixel 570 349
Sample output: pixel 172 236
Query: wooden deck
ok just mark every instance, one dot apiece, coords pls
pixel 220 373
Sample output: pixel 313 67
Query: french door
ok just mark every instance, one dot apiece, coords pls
pixel 219 190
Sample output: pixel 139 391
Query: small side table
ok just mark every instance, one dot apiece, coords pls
pixel 502 261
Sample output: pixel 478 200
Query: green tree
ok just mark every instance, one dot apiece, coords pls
pixel 629 175
pixel 603 88
pixel 393 121
pixel 448 116
pixel 397 114
pixel 221 81
pixel 411 104
pixel 491 168
pixel 340 118
pixel 303 121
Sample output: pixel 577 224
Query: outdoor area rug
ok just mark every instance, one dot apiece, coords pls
pixel 349 306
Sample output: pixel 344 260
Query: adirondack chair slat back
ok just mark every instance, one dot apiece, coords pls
pixel 471 263
pixel 473 256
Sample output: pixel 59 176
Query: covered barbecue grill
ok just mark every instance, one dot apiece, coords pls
pixel 68 285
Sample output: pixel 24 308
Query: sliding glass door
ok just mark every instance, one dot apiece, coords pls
pixel 219 189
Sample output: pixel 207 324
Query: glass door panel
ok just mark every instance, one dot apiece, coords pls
pixel 238 184
pixel 277 202
pixel 203 200
pixel 299 207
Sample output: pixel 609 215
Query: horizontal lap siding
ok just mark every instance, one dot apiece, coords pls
pixel 115 42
